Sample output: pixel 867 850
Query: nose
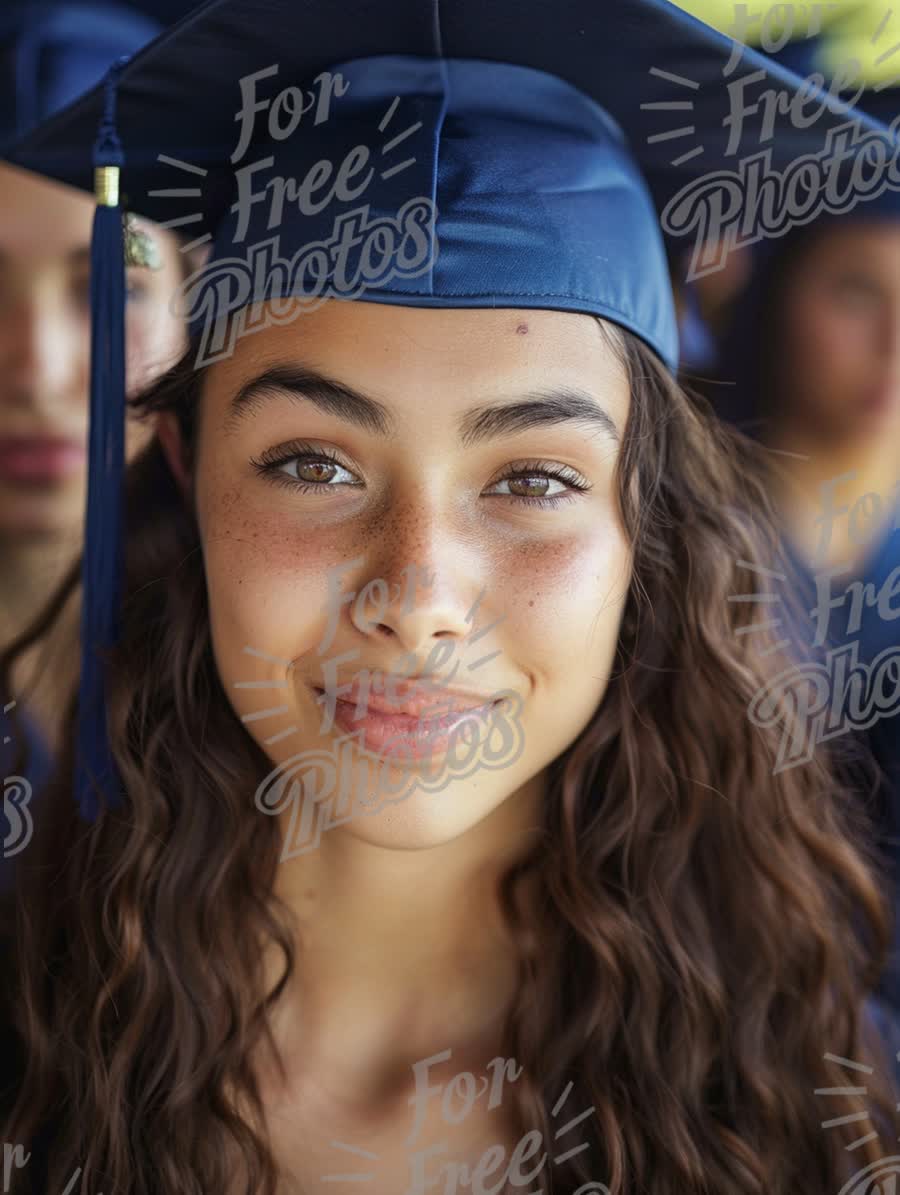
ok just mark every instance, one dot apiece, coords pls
pixel 43 354
pixel 423 585
pixel 415 606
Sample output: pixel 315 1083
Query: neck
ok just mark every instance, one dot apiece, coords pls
pixel 403 954
pixel 837 495
pixel 32 571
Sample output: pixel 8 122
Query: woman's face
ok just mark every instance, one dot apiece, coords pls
pixel 373 445
pixel 840 328
pixel 45 235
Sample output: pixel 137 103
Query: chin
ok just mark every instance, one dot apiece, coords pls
pixel 46 510
pixel 25 524
pixel 425 819
pixel 419 820
pixel 334 788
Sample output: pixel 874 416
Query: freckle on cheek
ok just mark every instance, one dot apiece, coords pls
pixel 561 572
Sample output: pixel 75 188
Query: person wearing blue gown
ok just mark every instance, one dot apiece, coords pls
pixel 51 52
pixel 338 852
pixel 875 644
pixel 810 365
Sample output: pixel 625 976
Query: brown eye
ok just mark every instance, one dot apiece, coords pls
pixel 529 487
pixel 543 484
pixel 307 470
pixel 314 471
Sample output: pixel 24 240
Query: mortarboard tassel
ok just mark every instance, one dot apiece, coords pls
pixel 101 563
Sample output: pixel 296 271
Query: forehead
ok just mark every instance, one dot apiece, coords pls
pixel 41 218
pixel 412 354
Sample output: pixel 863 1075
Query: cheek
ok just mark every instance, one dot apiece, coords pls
pixel 829 343
pixel 565 600
pixel 267 586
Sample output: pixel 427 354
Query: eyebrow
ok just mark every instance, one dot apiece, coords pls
pixel 475 426
pixel 74 257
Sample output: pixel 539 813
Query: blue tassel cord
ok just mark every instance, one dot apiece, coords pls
pixel 96 772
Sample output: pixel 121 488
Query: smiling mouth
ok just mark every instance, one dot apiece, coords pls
pixel 40 460
pixel 416 735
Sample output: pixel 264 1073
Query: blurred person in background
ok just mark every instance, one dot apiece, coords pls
pixel 49 54
pixel 790 34
pixel 809 363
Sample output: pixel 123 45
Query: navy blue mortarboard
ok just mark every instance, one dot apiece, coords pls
pixel 883 103
pixel 450 154
pixel 50 53
pixel 166 11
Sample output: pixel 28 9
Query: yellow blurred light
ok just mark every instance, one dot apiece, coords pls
pixel 761 24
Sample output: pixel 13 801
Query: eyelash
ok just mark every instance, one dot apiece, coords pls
pixel 538 468
pixel 270 465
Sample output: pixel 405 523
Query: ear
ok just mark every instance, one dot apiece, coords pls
pixel 169 434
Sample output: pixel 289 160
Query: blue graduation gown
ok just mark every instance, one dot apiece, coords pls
pixel 37 772
pixel 874 635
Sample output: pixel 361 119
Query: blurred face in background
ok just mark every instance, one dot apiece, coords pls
pixel 838 332
pixel 45 235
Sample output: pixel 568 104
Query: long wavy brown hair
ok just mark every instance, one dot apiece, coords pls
pixel 714 925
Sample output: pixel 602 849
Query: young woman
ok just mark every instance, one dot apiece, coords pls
pixel 811 366
pixel 44 348
pixel 305 944
pixel 51 53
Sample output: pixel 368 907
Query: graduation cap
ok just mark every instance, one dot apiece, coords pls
pixel 50 53
pixel 860 49
pixel 847 45
pixel 166 11
pixel 459 154
pixel 856 52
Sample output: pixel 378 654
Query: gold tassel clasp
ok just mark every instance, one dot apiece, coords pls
pixel 106 185
pixel 140 249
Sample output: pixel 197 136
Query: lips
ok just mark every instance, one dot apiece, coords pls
pixel 40 458
pixel 418 725
pixel 414 698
